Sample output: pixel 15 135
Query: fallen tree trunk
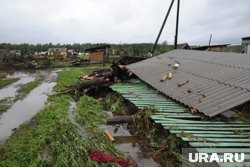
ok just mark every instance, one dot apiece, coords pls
pixel 119 120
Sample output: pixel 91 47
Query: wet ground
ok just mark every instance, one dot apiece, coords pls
pixel 23 110
pixel 129 144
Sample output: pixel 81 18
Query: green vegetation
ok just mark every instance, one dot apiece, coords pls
pixel 114 103
pixel 70 76
pixel 5 104
pixel 7 81
pixel 52 139
pixel 24 90
pixel 90 114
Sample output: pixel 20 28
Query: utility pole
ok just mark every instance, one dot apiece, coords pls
pixel 177 25
pixel 163 24
pixel 210 40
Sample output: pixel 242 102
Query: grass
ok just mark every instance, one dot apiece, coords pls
pixel 24 90
pixel 51 139
pixel 5 104
pixel 7 81
pixel 114 103
pixel 70 76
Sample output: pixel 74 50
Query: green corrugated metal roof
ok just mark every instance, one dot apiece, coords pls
pixel 178 120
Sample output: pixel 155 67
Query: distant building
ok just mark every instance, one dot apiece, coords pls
pixel 70 52
pixel 98 54
pixel 213 48
pixel 246 43
pixel 57 53
pixel 183 46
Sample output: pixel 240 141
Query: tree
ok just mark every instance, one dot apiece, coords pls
pixel 164 47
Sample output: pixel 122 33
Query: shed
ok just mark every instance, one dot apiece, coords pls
pixel 246 43
pixel 99 53
pixel 214 82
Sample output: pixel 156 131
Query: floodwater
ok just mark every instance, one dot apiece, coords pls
pixel 128 144
pixel 23 110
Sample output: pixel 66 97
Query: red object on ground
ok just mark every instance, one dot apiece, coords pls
pixel 99 156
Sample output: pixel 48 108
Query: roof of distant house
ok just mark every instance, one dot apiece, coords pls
pixel 211 46
pixel 213 82
pixel 97 48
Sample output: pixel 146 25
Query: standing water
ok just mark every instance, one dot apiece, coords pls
pixel 24 110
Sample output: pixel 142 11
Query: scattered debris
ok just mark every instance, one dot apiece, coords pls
pixel 119 120
pixel 108 134
pixel 189 91
pixel 166 76
pixel 182 83
pixel 193 110
pixel 176 66
pixel 98 79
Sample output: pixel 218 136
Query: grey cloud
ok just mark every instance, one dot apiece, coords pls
pixel 119 21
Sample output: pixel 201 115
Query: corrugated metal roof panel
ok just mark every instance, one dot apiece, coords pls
pixel 218 81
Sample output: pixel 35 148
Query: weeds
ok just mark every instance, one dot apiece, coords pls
pixel 7 81
pixel 114 103
pixel 5 104
pixel 50 138
pixel 25 89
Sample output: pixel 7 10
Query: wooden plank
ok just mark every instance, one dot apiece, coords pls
pixel 219 144
pixel 223 150
pixel 234 164
pixel 158 117
pixel 181 116
pixel 201 132
pixel 200 125
pixel 207 128
pixel 221 135
pixel 233 140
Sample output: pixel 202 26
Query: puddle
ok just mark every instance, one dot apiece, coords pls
pixel 22 111
pixel 128 144
pixel 25 77
pixel 10 91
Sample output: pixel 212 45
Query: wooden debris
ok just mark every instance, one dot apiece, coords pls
pixel 193 110
pixel 108 134
pixel 98 79
pixel 119 120
pixel 166 76
pixel 189 91
pixel 182 83
pixel 176 66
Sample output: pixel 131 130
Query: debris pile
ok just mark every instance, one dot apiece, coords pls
pixel 98 79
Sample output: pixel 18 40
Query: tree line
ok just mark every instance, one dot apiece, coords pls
pixel 129 49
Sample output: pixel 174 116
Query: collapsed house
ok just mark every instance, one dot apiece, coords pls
pixel 197 89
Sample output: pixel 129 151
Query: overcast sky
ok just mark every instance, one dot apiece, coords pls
pixel 122 21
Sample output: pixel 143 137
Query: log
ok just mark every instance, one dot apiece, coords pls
pixel 93 82
pixel 119 120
